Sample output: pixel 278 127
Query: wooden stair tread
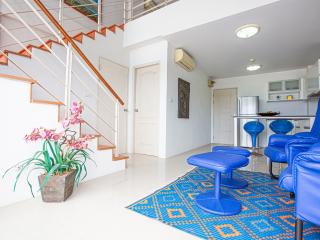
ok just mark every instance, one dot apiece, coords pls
pixel 49 43
pixel 91 34
pixel 120 157
pixel 46 102
pixel 23 79
pixel 42 47
pixel 17 53
pixel 78 37
pixel 112 28
pixel 105 147
pixel 94 135
pixel 121 26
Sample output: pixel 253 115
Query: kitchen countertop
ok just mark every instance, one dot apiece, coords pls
pixel 274 117
pixel 265 119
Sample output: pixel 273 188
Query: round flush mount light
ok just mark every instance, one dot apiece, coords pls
pixel 253 66
pixel 247 31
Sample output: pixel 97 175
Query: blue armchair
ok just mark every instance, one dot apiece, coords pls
pixel 292 149
pixel 276 148
pixel 306 173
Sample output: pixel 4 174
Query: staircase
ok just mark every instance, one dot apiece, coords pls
pixel 58 74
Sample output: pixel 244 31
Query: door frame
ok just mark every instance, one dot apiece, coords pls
pixel 212 107
pixel 135 69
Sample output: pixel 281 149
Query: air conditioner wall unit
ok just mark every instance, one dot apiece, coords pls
pixel 183 59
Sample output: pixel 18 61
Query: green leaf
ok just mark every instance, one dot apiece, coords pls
pixel 55 167
pixel 28 181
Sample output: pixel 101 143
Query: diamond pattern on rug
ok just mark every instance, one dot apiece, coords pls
pixel 267 210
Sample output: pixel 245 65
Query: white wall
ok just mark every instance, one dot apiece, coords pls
pixel 176 135
pixel 19 117
pixel 183 15
pixel 186 134
pixel 257 85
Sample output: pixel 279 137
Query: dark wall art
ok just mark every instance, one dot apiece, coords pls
pixel 183 98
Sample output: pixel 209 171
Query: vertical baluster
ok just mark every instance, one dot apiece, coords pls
pixel 129 10
pixel 99 15
pixel 116 127
pixel 67 90
pixel 125 12
pixel 61 14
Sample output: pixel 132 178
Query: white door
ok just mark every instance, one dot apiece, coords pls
pixel 147 110
pixel 224 107
pixel 117 77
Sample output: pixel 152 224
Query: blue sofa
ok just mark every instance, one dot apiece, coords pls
pixel 276 150
pixel 306 185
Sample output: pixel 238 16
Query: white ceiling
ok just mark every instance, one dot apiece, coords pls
pixel 289 39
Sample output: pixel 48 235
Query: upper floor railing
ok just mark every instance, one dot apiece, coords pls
pixel 134 9
pixel 70 14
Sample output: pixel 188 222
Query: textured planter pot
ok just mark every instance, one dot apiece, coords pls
pixel 57 188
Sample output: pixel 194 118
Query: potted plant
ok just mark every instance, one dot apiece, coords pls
pixel 62 159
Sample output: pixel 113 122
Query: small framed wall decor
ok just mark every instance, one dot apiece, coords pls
pixel 183 98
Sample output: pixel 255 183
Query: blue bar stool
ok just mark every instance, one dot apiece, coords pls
pixel 254 128
pixel 228 180
pixel 281 126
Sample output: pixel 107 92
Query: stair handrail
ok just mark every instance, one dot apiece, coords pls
pixel 77 49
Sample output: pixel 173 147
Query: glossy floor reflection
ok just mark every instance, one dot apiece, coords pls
pixel 97 209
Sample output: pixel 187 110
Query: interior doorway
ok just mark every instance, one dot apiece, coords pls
pixel 224 108
pixel 147 110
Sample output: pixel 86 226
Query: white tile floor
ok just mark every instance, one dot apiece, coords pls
pixel 97 210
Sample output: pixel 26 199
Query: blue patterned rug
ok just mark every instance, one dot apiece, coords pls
pixel 267 210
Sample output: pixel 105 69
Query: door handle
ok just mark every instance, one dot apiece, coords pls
pixel 136 110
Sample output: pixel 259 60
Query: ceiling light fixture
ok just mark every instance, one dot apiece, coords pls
pixel 253 66
pixel 247 31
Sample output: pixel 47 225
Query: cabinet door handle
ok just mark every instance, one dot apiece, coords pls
pixel 136 110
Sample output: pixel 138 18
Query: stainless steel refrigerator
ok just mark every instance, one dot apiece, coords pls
pixel 247 106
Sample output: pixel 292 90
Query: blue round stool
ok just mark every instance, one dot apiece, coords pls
pixel 281 126
pixel 220 162
pixel 253 128
pixel 229 181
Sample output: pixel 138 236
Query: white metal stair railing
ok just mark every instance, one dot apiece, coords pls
pixel 80 82
pixel 134 9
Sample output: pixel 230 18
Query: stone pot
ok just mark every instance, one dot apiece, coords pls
pixel 58 188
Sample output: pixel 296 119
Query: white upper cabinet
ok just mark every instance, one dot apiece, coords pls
pixel 285 90
pixel 313 78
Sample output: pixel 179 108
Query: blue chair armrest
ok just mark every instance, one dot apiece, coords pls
pixel 304 135
pixel 306 173
pixel 280 140
pixel 298 145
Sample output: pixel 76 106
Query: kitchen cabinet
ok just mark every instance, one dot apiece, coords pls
pixel 285 90
pixel 302 126
pixel 313 78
